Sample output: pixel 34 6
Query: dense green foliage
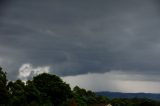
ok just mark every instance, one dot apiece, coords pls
pixel 3 88
pixel 134 102
pixel 50 90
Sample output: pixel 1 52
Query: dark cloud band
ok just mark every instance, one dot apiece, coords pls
pixel 78 37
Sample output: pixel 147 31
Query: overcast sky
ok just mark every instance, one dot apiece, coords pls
pixel 115 43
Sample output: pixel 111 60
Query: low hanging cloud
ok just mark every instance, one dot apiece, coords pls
pixel 27 70
pixel 116 80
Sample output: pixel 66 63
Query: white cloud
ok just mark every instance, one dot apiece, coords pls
pixel 27 70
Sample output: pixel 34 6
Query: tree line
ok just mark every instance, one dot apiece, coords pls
pixel 44 90
pixel 50 90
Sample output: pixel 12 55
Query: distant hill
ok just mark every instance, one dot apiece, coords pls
pixel 112 95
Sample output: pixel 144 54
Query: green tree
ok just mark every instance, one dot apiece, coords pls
pixel 102 99
pixel 32 93
pixel 17 93
pixel 52 88
pixel 84 97
pixel 3 88
pixel 80 91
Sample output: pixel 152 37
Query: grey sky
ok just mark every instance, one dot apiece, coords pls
pixel 75 37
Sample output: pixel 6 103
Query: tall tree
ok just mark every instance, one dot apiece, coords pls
pixel 17 93
pixel 52 88
pixel 3 88
pixel 32 93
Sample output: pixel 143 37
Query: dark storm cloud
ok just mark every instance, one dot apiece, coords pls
pixel 78 37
